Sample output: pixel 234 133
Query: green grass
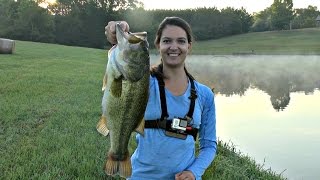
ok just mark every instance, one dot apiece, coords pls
pixel 300 41
pixel 50 98
pixel 231 164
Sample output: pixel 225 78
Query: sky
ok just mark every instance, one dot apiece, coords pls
pixel 250 5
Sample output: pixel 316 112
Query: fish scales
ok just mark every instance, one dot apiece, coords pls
pixel 126 90
pixel 121 115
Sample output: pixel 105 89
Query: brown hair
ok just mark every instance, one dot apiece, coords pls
pixel 174 21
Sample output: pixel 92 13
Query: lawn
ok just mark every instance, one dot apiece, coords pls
pixel 294 42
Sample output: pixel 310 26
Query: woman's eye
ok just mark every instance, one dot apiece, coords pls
pixel 166 41
pixel 181 41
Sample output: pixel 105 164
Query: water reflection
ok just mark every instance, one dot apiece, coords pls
pixel 278 76
pixel 286 141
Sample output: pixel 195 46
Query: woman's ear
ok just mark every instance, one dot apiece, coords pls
pixel 189 47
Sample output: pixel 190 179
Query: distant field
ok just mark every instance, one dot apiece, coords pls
pixel 50 102
pixel 300 41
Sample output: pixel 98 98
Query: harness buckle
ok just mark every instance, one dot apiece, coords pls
pixel 189 119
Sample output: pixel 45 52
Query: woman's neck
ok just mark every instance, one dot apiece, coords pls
pixel 176 80
pixel 173 72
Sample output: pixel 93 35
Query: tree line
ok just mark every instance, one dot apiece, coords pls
pixel 82 22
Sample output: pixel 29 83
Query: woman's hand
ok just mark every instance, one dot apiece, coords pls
pixel 185 175
pixel 110 30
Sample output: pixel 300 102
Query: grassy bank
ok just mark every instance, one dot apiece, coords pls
pixel 294 42
pixel 49 106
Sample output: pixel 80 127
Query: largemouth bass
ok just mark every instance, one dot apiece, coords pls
pixel 126 90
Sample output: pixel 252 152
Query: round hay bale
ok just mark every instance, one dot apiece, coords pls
pixel 7 46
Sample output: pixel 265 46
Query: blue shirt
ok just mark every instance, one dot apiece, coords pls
pixel 160 157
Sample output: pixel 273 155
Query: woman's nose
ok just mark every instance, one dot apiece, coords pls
pixel 173 46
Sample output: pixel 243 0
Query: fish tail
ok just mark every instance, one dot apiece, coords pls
pixel 123 167
pixel 111 166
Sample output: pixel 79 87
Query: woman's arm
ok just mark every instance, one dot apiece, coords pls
pixel 207 137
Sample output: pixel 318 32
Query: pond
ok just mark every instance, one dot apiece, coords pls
pixel 268 107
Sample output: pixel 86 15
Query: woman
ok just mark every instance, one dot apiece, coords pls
pixel 176 113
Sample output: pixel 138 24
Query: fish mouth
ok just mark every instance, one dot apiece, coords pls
pixel 132 38
pixel 133 52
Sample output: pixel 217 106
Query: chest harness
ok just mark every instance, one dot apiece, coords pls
pixel 178 127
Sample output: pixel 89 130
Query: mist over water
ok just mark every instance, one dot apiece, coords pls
pixel 268 106
pixel 278 76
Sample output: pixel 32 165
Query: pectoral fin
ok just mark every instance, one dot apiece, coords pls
pixel 140 128
pixel 116 87
pixel 102 126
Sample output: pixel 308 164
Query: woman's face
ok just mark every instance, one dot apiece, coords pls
pixel 173 46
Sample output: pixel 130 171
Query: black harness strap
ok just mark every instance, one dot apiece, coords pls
pixel 164 114
pixel 158 124
pixel 163 122
pixel 193 96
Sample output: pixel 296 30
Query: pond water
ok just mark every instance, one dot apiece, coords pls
pixel 268 107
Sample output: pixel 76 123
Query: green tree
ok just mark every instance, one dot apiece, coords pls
pixel 245 18
pixel 305 17
pixel 81 22
pixel 25 20
pixel 262 21
pixel 33 23
pixel 281 14
pixel 206 23
pixel 8 12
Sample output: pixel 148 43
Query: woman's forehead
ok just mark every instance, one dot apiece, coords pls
pixel 173 31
